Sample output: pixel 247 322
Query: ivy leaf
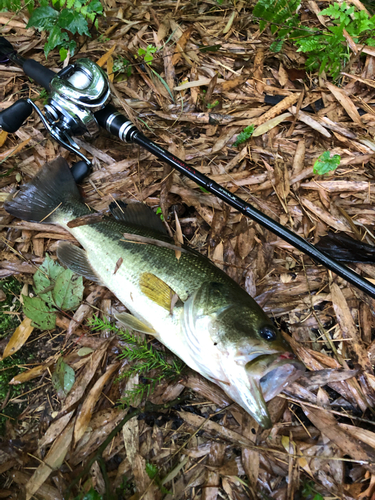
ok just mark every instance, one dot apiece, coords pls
pixel 73 22
pixel 325 163
pixel 63 378
pixel 43 18
pixel 42 315
pixel 56 37
pixel 68 290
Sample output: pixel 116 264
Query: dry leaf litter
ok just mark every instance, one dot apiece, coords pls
pixel 207 447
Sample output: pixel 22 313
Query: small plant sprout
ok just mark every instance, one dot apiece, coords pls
pixel 325 163
pixel 159 211
pixel 147 53
pixel 213 105
pixel 244 135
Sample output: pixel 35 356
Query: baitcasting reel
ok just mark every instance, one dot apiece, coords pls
pixel 76 93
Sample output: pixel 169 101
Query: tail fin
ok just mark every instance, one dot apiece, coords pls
pixel 39 200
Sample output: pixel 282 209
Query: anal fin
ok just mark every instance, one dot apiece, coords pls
pixel 76 260
pixel 134 323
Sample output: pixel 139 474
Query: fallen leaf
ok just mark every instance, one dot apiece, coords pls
pixel 85 413
pixel 19 337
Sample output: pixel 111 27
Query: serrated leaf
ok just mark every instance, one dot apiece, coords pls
pixel 42 315
pixel 56 38
pixel 95 7
pixel 151 470
pixel 45 278
pixel 68 290
pixel 63 378
pixel 43 18
pixel 73 21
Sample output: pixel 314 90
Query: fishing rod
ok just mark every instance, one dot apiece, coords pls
pixel 78 104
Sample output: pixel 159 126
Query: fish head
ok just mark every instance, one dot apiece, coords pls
pixel 239 347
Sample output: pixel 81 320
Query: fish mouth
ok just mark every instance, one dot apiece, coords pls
pixel 265 377
pixel 274 372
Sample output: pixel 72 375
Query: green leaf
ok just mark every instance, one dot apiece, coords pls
pixel 244 135
pixel 63 378
pixel 63 54
pixel 209 48
pixel 149 58
pixel 68 290
pixel 277 45
pixel 56 37
pixel 210 106
pixel 43 18
pixel 72 47
pixel 73 21
pixel 95 7
pixel 42 315
pixel 325 163
pixel 162 81
pixel 151 470
pixel 159 211
pixel 45 278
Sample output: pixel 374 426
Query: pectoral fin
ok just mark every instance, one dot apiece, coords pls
pixel 134 323
pixel 158 291
pixel 76 260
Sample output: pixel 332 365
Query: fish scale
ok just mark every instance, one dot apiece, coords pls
pixel 213 325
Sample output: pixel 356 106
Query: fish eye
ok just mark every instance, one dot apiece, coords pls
pixel 268 333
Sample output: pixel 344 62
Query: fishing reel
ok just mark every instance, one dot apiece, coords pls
pixel 75 94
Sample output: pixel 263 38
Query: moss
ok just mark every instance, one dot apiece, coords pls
pixel 9 322
pixel 9 367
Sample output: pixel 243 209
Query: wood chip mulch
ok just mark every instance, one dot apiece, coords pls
pixel 323 438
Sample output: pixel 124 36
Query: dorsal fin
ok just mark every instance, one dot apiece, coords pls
pixel 137 214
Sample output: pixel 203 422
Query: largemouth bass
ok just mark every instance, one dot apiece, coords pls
pixel 187 303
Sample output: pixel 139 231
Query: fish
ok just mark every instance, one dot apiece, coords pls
pixel 187 303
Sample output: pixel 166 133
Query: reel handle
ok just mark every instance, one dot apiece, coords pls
pixel 12 118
